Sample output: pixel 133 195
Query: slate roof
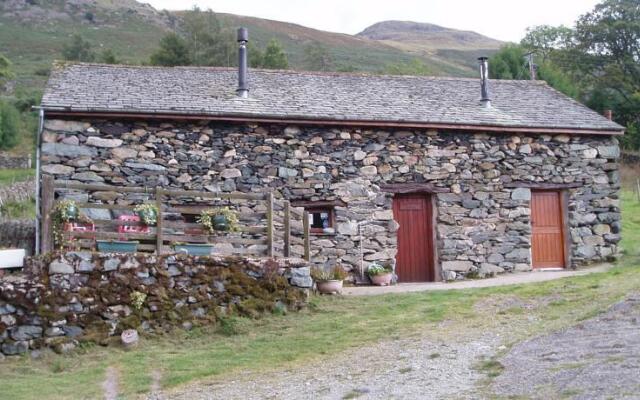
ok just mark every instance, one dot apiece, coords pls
pixel 292 95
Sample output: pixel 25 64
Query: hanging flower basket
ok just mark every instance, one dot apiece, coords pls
pixel 221 219
pixel 148 213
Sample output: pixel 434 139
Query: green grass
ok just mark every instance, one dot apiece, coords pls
pixel 9 176
pixel 330 325
pixel 18 210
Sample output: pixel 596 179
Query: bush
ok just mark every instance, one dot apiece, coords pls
pixel 9 125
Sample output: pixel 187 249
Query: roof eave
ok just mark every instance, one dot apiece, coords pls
pixel 62 111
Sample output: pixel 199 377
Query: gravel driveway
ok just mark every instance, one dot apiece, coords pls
pixel 402 369
pixel 597 359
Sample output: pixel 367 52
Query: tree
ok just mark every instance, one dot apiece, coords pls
pixel 545 39
pixel 173 51
pixel 317 57
pixel 108 57
pixel 78 49
pixel 9 125
pixel 208 41
pixel 509 63
pixel 274 56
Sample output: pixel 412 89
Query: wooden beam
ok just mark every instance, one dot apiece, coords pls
pixel 159 223
pixel 331 122
pixel 403 188
pixel 319 203
pixel 287 229
pixel 47 193
pixel 270 224
pixel 307 236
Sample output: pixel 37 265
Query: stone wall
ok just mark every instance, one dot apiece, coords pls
pixel 483 227
pixel 81 296
pixel 10 161
pixel 19 234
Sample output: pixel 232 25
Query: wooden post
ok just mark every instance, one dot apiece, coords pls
pixel 159 236
pixel 307 238
pixel 287 229
pixel 48 199
pixel 638 188
pixel 270 224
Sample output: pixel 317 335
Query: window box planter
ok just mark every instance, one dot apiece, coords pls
pixel 12 258
pixel 194 249
pixel 116 246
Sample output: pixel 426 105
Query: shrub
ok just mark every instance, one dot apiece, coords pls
pixel 334 273
pixel 9 125
pixel 378 269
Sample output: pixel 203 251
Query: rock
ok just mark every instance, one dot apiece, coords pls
pixel 57 169
pixel 26 332
pixel 585 252
pixel 123 153
pixel 525 149
pixel 102 142
pixel 184 178
pixel 385 215
pixel 110 264
pixel 88 176
pixel 495 258
pixel 359 155
pixel 64 348
pixel 601 229
pixel 470 204
pixel 72 330
pixel 609 151
pixel 459 266
pixel 523 194
pixel 59 267
pixel 348 228
pixel 7 309
pixel 285 172
pixel 487 269
pixel 292 131
pixel 369 170
pixel 589 153
pixel 148 167
pixel 449 275
pixel 71 140
pixel 229 153
pixel 96 213
pixel 66 150
pixel 14 348
pixel 67 126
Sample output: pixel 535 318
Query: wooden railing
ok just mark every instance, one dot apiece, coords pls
pixel 257 233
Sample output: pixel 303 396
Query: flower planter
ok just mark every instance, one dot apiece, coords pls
pixel 115 246
pixel 12 258
pixel 329 287
pixel 194 249
pixel 382 279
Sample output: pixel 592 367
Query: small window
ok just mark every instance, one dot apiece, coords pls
pixel 321 219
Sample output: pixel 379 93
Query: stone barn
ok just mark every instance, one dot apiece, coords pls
pixel 441 178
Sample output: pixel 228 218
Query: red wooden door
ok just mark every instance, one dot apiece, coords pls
pixel 414 261
pixel 548 233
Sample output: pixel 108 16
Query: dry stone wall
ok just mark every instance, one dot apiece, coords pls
pixel 68 298
pixel 10 161
pixel 483 226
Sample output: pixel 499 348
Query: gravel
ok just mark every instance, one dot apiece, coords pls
pixel 597 359
pixel 401 369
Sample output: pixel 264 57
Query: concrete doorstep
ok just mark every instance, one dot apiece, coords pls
pixel 516 278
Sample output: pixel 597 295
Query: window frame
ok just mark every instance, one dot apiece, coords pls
pixel 329 209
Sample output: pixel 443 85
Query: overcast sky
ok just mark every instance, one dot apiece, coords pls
pixel 500 19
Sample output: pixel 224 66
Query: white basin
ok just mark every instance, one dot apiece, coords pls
pixel 12 258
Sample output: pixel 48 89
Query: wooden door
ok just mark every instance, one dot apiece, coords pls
pixel 548 247
pixel 414 261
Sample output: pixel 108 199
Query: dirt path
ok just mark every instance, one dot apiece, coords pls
pixel 402 369
pixel 597 359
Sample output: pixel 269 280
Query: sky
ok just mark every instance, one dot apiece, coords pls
pixel 500 19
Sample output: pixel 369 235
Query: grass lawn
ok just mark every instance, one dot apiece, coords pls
pixel 9 176
pixel 330 325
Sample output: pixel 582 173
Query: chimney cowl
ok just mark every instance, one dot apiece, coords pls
pixel 243 73
pixel 484 81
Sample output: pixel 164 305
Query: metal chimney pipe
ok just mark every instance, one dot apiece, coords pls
pixel 608 114
pixel 484 81
pixel 243 81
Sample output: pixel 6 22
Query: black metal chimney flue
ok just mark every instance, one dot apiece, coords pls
pixel 484 81
pixel 243 81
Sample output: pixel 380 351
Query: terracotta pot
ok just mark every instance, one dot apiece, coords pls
pixel 329 287
pixel 381 280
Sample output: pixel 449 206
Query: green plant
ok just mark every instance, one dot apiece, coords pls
pixel 64 212
pixel 148 213
pixel 378 269
pixel 137 299
pixel 219 219
pixel 336 273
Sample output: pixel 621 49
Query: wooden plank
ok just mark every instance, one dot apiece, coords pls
pixel 307 236
pixel 110 223
pixel 287 229
pixel 96 188
pixel 107 206
pixel 195 210
pixel 213 239
pixel 111 235
pixel 212 195
pixel 186 225
pixel 46 214
pixel 159 238
pixel 270 224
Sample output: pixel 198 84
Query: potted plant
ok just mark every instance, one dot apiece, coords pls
pixel 117 246
pixel 379 274
pixel 193 249
pixel 148 213
pixel 213 221
pixel 329 281
pixel 66 217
